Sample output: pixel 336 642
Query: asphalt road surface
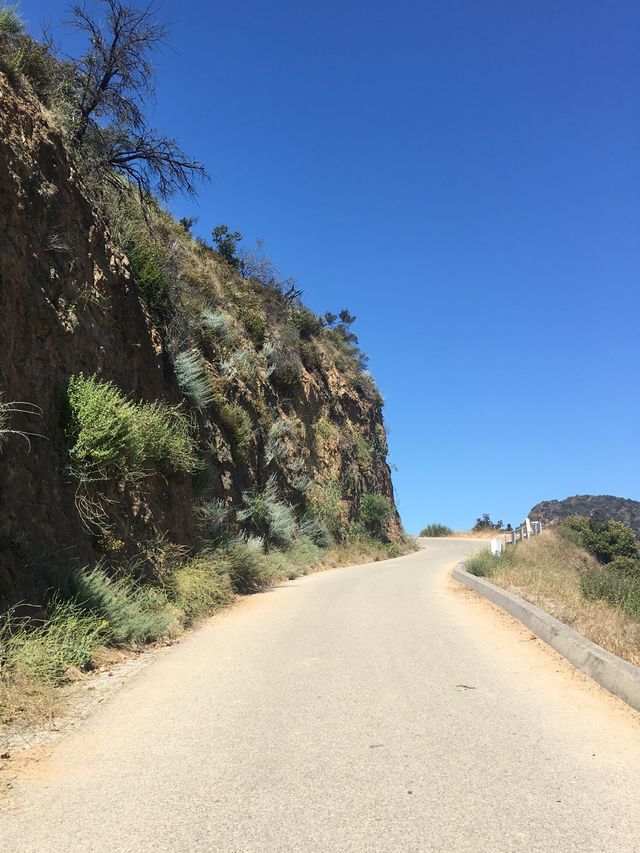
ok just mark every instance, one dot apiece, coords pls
pixel 375 708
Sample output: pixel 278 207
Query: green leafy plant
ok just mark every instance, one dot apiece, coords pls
pixel 620 590
pixel 307 323
pixel 193 377
pixel 315 530
pixel 215 520
pixel 200 586
pixel 267 515
pixel 605 539
pixel 148 269
pixel 130 612
pixel 433 530
pixel 327 503
pixel 44 649
pixel 244 560
pixel 111 433
pixel 376 512
pixel 237 422
pixel 221 326
pixel 226 243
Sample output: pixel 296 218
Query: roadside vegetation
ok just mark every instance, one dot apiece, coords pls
pixel 583 571
pixel 435 530
pixel 97 609
pixel 276 486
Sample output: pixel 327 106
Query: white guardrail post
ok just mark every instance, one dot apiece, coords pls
pixel 519 534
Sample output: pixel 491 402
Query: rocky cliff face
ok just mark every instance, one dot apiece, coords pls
pixel 284 398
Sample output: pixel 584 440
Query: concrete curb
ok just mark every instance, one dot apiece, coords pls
pixel 616 675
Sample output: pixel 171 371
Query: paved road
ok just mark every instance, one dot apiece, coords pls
pixel 377 708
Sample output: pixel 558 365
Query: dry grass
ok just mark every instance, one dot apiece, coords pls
pixel 546 571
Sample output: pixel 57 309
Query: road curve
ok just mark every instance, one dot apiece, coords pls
pixel 375 708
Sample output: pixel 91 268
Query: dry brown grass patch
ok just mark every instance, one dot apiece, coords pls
pixel 546 571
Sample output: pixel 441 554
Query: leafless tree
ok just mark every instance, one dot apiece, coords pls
pixel 114 80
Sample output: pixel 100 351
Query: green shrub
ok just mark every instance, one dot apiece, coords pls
pixel 625 566
pixel 221 327
pixel 276 444
pixel 307 323
pixel 325 430
pixel 327 503
pixel 247 568
pixel 11 23
pixel 301 482
pixel 606 539
pixel 311 355
pixel 12 36
pixel 131 612
pixel 483 564
pixel 621 591
pixel 243 362
pixel 366 385
pixel 67 637
pixel 284 372
pixel 376 513
pixel 249 310
pixel 267 515
pixel 315 530
pixel 364 452
pixel 237 423
pixel 110 432
pixel 436 530
pixel 147 268
pixel 215 520
pixel 200 586
pixel 275 448
pixel 193 377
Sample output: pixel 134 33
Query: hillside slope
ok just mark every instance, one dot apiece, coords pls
pixel 607 506
pixel 276 403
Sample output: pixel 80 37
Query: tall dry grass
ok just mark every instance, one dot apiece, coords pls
pixel 546 570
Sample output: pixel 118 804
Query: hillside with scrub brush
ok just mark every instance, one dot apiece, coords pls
pixel 590 506
pixel 176 426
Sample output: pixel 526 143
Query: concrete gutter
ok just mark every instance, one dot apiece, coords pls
pixel 616 675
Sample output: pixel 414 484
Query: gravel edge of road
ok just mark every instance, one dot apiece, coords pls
pixel 616 675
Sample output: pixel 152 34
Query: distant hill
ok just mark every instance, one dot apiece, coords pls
pixel 608 506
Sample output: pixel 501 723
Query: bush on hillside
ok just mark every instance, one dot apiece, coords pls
pixel 132 612
pixel 247 568
pixel 215 520
pixel 44 651
pixel 269 517
pixel 220 325
pixel 148 270
pixel 307 323
pixel 327 503
pixel 605 539
pixel 111 433
pixel 484 523
pixel 200 586
pixel 315 530
pixel 236 422
pixel 376 513
pixel 434 530
pixel 621 591
pixel 193 377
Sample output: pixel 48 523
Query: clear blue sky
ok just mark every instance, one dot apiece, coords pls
pixel 465 178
